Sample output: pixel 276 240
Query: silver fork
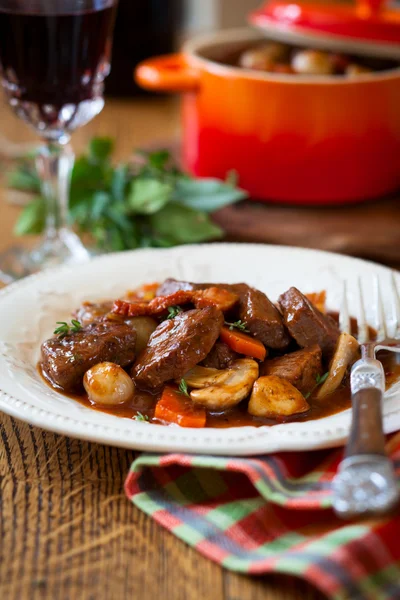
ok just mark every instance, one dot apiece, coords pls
pixel 366 483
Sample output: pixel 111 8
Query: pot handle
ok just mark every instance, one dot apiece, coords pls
pixel 169 73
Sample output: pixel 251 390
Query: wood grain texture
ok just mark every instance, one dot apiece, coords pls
pixel 370 230
pixel 66 529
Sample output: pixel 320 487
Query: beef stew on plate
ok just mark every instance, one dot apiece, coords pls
pixel 212 354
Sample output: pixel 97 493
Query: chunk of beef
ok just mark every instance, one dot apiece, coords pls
pixel 65 360
pixel 300 368
pixel 178 345
pixel 262 317
pixel 171 286
pixel 307 324
pixel 89 312
pixel 220 357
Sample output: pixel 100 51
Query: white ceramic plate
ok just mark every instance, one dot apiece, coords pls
pixel 30 308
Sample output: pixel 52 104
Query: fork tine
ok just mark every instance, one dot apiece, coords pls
pixel 344 317
pixel 396 306
pixel 381 319
pixel 363 329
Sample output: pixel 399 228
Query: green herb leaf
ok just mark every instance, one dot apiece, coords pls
pixel 148 196
pixel 80 209
pixel 32 219
pixel 101 149
pixel 151 204
pixel 116 213
pixel 207 195
pixel 89 176
pixel 159 159
pixel 75 326
pixel 320 379
pixel 183 388
pixel 158 163
pixel 101 200
pixel 183 225
pixel 119 182
pixel 65 329
pixel 161 242
pixel 24 180
pixel 100 235
pixel 116 241
pixel 238 325
pixel 174 311
pixel 140 417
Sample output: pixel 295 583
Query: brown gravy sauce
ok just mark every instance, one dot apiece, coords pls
pixel 145 402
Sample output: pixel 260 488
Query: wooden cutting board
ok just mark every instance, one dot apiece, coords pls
pixel 370 230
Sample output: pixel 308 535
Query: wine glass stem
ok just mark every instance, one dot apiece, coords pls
pixel 55 162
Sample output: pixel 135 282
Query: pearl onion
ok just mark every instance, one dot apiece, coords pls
pixel 108 384
pixel 263 58
pixel 312 62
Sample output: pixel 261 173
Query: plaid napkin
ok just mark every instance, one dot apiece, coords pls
pixel 272 514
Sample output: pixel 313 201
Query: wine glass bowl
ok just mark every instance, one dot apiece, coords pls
pixel 54 58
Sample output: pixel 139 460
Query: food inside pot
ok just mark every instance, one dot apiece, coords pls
pixel 276 57
pixel 196 355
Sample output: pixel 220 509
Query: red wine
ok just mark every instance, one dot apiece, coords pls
pixel 53 65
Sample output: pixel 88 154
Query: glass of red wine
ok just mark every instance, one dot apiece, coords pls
pixel 54 58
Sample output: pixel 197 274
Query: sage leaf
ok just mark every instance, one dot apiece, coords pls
pixel 207 195
pixel 101 200
pixel 159 160
pixel 32 219
pixel 147 196
pixel 119 182
pixel 24 180
pixel 101 149
pixel 183 225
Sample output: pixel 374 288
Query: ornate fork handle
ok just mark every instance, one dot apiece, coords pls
pixel 366 481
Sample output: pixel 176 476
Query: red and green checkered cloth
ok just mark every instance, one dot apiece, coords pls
pixel 272 514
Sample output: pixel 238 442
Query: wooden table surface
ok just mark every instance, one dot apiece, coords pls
pixel 66 529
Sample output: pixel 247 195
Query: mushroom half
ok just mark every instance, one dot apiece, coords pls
pixel 345 354
pixel 220 390
pixel 275 397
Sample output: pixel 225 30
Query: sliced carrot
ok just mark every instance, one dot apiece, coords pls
pixel 175 407
pixel 243 344
pixel 148 291
pixel 319 300
pixel 144 293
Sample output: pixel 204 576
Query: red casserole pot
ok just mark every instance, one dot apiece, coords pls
pixel 291 139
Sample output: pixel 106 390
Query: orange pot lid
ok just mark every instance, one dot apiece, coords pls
pixel 367 26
